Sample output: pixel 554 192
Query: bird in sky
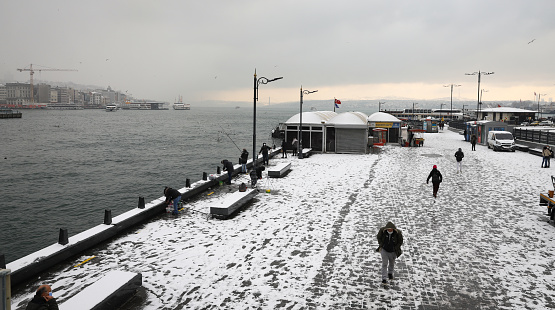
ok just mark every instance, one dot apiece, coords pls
pixel 532 41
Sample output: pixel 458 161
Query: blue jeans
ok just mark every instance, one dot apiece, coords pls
pixel 545 161
pixel 244 168
pixel 176 204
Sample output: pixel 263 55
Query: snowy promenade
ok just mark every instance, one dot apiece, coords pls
pixel 309 244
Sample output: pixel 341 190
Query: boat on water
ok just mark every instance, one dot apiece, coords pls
pixel 111 108
pixel 179 105
pixel 9 113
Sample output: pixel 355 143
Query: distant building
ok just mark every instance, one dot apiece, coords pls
pixel 2 94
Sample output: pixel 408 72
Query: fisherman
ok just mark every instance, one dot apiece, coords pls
pixel 265 156
pixel 172 194
pixel 228 166
pixel 284 149
pixel 244 159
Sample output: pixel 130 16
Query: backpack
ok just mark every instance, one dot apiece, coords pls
pixel 242 187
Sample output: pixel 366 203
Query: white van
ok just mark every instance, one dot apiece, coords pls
pixel 501 141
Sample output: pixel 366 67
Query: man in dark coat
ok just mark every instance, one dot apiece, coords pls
pixel 473 141
pixel 265 156
pixel 436 179
pixel 175 195
pixel 390 240
pixel 228 166
pixel 284 149
pixel 43 299
pixel 459 156
pixel 244 159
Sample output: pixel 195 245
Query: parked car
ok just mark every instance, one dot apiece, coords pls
pixel 524 124
pixel 535 123
pixel 501 141
pixel 546 123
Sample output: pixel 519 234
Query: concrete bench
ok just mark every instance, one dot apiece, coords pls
pixel 225 207
pixel 306 152
pixel 279 170
pixel 522 147
pixel 110 292
pixel 535 151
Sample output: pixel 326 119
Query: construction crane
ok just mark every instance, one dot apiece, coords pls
pixel 32 71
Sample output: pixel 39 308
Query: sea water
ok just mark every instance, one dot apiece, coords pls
pixel 63 168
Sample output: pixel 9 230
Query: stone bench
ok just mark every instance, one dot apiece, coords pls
pixel 225 207
pixel 279 170
pixel 306 152
pixel 110 292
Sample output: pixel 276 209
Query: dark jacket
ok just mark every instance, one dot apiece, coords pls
pixel 264 150
pixel 244 157
pixel 171 194
pixel 284 145
pixel 39 303
pixel 228 166
pixel 459 155
pixel 390 242
pixel 435 175
pixel 473 139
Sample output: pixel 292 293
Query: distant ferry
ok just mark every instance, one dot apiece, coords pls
pixel 179 105
pixel 420 114
pixel 9 113
pixel 143 105
pixel 111 108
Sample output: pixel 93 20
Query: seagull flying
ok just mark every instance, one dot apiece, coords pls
pixel 532 41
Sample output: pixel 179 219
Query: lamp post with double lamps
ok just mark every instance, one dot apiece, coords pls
pixel 257 82
pixel 479 73
pixel 452 85
pixel 300 150
pixel 539 111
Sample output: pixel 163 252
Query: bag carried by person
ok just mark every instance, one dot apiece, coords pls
pixel 242 187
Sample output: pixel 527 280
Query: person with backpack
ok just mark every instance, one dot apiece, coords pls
pixel 390 240
pixel 244 159
pixel 459 156
pixel 436 177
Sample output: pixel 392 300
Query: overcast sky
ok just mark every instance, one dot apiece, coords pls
pixel 351 50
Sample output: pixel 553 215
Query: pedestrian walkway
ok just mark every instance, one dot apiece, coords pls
pixel 310 243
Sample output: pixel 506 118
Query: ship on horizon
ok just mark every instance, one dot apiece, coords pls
pixel 179 105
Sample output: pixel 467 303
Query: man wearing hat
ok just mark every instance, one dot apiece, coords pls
pixel 390 240
pixel 436 179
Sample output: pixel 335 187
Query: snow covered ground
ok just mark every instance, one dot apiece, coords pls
pixel 309 243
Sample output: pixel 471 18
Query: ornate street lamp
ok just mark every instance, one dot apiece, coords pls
pixel 257 82
pixel 479 75
pixel 300 150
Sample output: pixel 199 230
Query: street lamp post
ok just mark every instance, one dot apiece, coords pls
pixel 257 82
pixel 452 85
pixel 479 73
pixel 539 111
pixel 300 150
pixel 413 104
pixel 464 105
pixel 380 106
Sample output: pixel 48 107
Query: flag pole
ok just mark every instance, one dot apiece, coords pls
pixel 333 104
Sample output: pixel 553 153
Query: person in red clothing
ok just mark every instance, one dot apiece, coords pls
pixel 436 179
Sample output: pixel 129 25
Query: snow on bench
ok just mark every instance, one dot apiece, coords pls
pixel 110 292
pixel 306 152
pixel 225 207
pixel 279 170
pixel 538 152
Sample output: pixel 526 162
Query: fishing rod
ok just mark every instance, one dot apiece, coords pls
pixel 223 130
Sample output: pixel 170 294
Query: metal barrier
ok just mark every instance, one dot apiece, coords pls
pixel 534 135
pixel 5 290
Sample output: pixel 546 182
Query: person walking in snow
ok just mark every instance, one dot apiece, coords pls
pixel 436 179
pixel 546 153
pixel 244 159
pixel 284 149
pixel 459 156
pixel 390 240
pixel 473 141
pixel 464 135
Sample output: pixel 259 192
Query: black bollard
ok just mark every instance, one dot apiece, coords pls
pixel 141 202
pixel 219 170
pixel 107 217
pixel 63 238
pixel 2 262
pixel 204 176
pixel 187 183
